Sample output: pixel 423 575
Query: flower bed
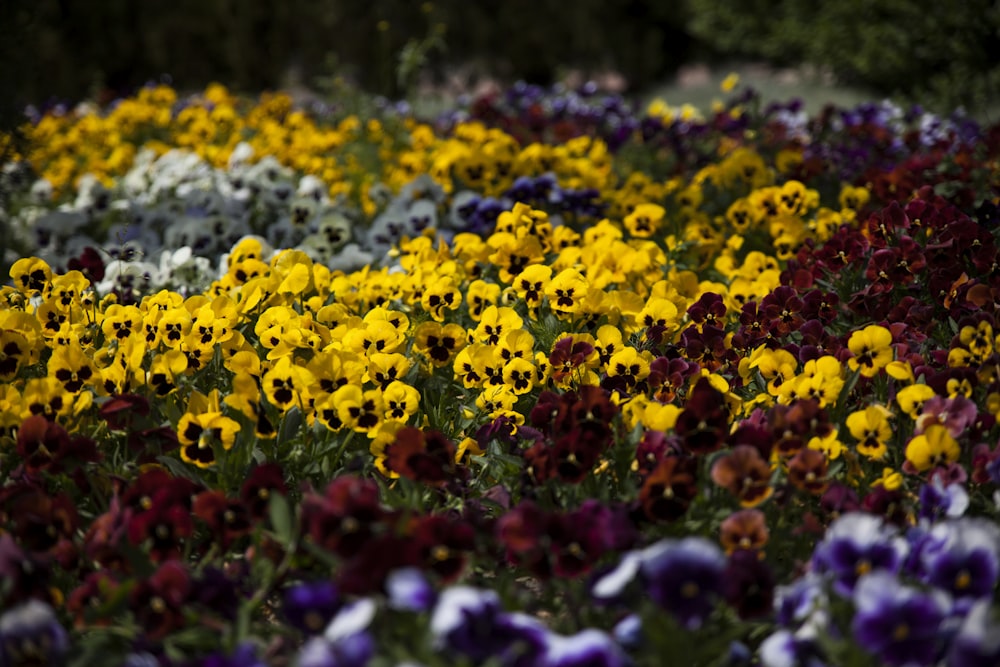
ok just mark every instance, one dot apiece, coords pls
pixel 548 381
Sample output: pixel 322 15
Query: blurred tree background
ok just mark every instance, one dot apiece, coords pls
pixel 942 54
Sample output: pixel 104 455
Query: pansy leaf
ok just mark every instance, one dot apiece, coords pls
pixel 180 469
pixel 282 519
pixel 291 424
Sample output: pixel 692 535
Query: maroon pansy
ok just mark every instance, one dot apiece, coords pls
pixel 345 517
pixel 226 518
pixel 158 602
pixel 441 544
pixel 703 424
pixel 263 481
pixel 669 489
pixel 748 585
pixel 423 456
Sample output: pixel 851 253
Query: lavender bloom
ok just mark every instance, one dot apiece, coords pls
pixel 345 642
pixel 855 545
pixel 589 648
pixel 409 590
pixel 31 635
pixel 963 560
pixel 310 606
pixel 354 651
pixel 785 649
pixel 245 655
pixel 628 631
pixel 977 643
pixel 469 622
pixel 463 620
pixel 800 600
pixel 351 620
pixel 684 577
pixel 938 500
pixel 898 624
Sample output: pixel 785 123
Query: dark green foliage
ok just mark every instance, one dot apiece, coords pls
pixel 940 54
pixel 116 45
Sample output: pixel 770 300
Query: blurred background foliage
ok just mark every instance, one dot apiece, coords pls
pixel 942 54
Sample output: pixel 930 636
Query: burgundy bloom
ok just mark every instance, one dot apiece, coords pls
pixel 839 499
pixel 255 494
pixel 708 309
pixel 227 519
pixel 121 410
pixel 39 520
pixel 345 517
pixel 441 544
pixel 575 453
pixel 46 446
pixel 782 307
pixel 158 602
pixel 592 411
pixel 89 597
pixel 106 535
pixel 890 505
pixel 744 530
pixel 881 227
pixel 745 474
pixel 162 486
pixel 807 471
pixel 563 544
pixel 651 450
pixel 540 464
pixel 568 355
pixel 368 568
pixel 667 376
pixel 25 575
pixel 704 423
pixel 89 263
pixel 423 456
pixel 820 305
pixel 164 527
pixel 669 489
pixel 706 347
pixel 748 585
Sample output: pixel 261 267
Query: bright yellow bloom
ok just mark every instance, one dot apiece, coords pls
pixel 871 428
pixel 911 399
pixel 645 220
pixel 401 401
pixel 872 349
pixel 362 411
pixel 199 433
pixel 932 448
pixel 890 479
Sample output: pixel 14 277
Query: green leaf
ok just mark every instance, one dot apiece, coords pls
pixel 282 519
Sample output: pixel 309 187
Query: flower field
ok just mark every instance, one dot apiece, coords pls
pixel 547 381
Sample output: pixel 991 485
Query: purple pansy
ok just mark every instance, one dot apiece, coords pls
pixel 408 590
pixel 900 625
pixel 855 545
pixel 309 606
pixel 30 634
pixel 682 576
pixel 588 648
pixel 963 559
pixel 470 622
pixel 787 649
pixel 938 501
pixel 977 643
